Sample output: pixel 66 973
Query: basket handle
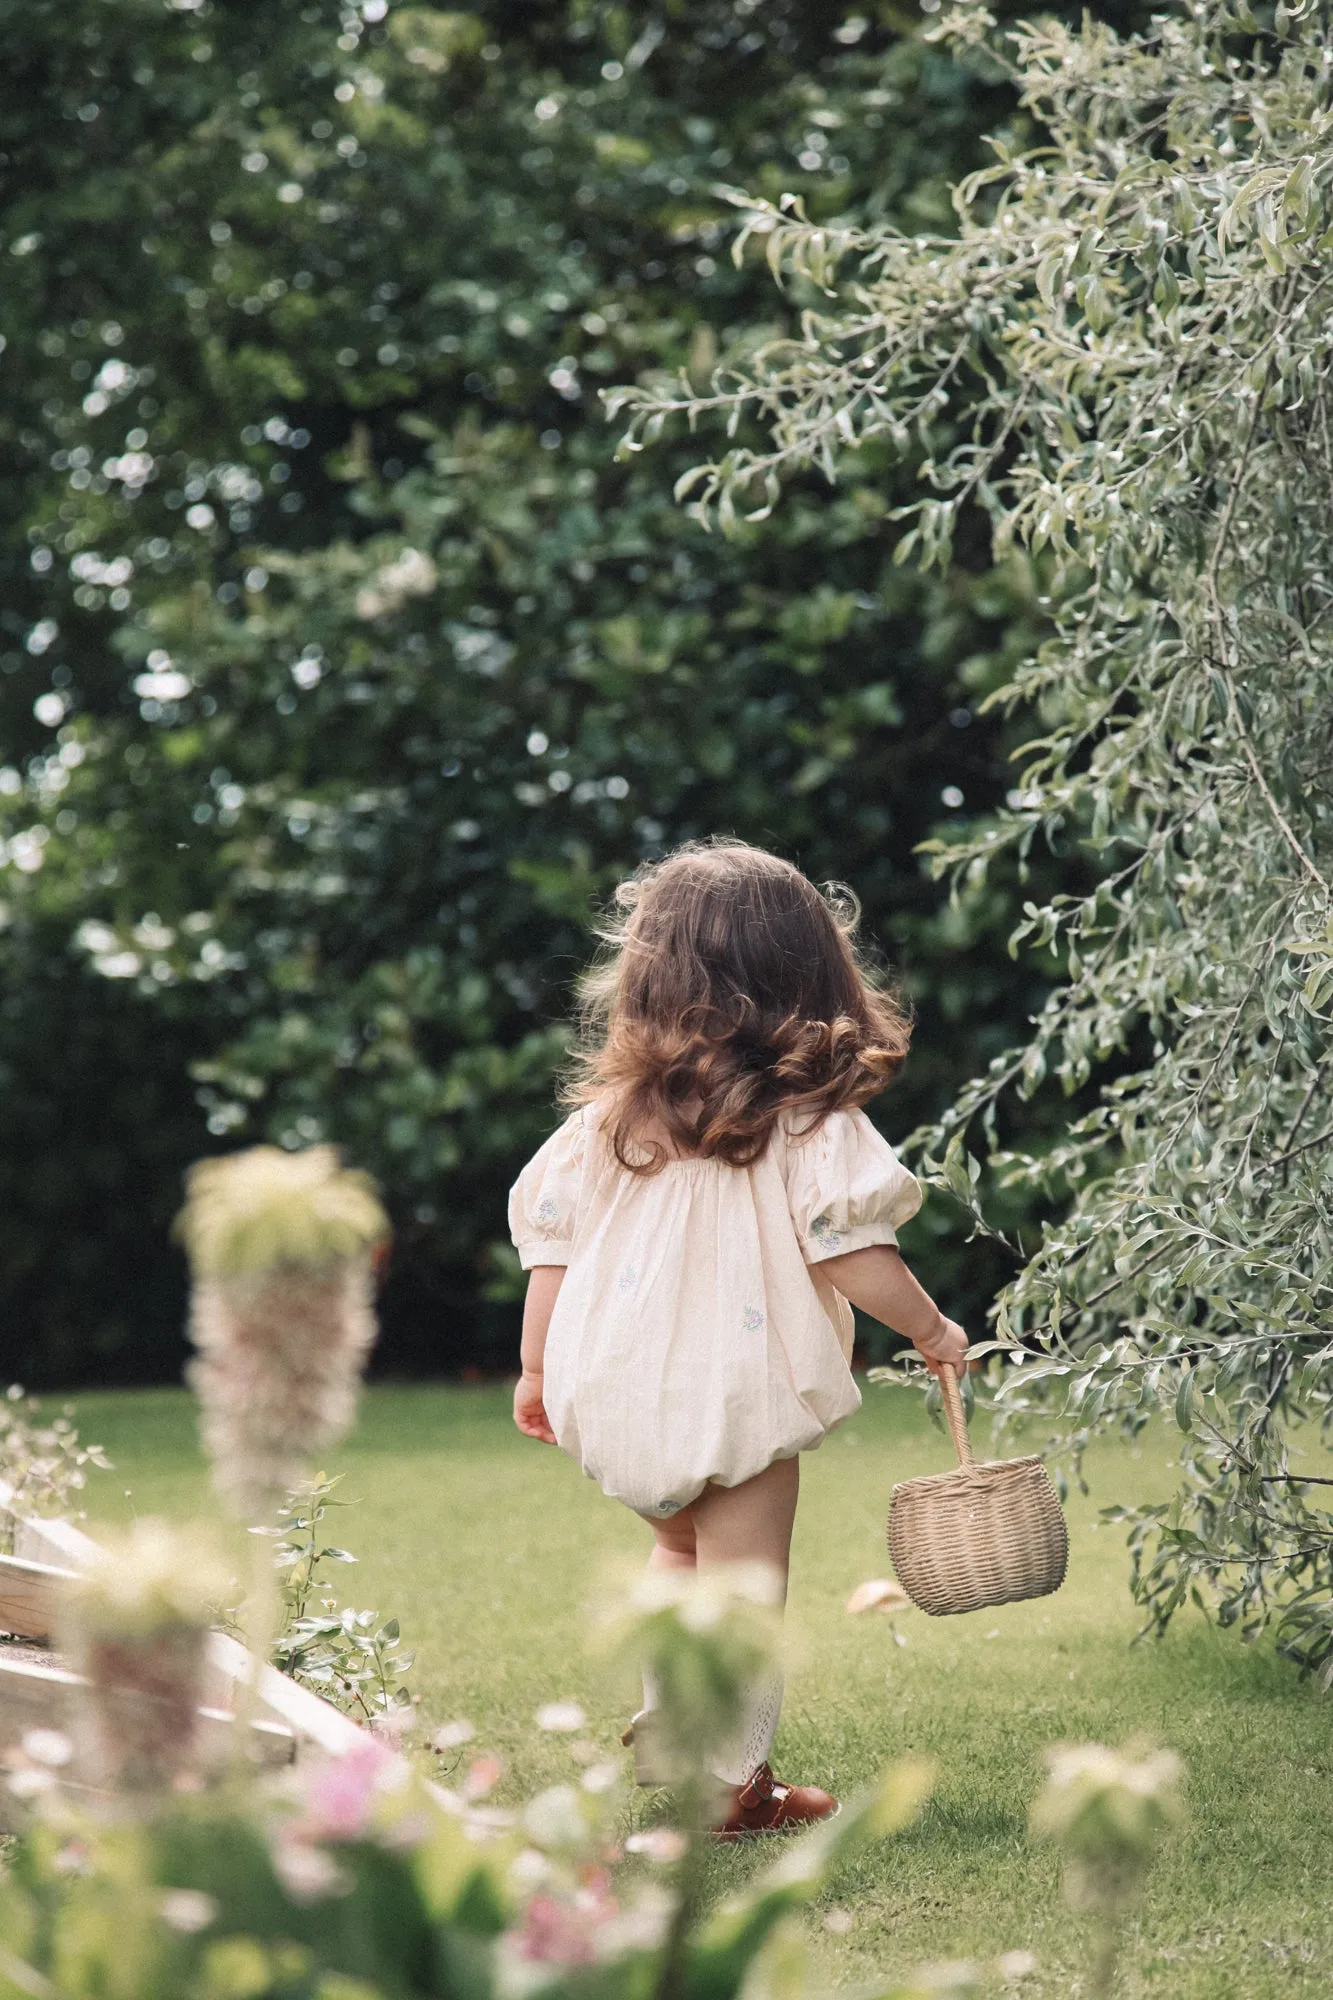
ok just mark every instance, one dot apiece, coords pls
pixel 953 1410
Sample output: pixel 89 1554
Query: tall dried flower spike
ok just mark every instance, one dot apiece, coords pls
pixel 1109 1810
pixel 280 1247
pixel 249 1213
pixel 151 1579
pixel 136 1626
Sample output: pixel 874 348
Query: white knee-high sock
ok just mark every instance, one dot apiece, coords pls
pixel 751 1743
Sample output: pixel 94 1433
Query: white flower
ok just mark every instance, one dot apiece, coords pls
pixel 658 1843
pixel 555 1818
pixel 151 1579
pixel 703 1598
pixel 450 1736
pixel 30 1782
pixel 282 1311
pixel 641 1927
pixel 530 1869
pixel 308 1873
pixel 187 1910
pixel 48 1746
pixel 560 1717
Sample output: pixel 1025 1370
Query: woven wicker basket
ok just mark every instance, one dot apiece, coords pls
pixel 983 1534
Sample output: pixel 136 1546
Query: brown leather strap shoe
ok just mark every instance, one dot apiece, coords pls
pixel 765 1806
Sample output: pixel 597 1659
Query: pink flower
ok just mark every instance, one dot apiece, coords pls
pixel 483 1774
pixel 557 1932
pixel 566 1929
pixel 341 1793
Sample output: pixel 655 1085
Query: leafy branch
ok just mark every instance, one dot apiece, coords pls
pixel 1124 363
pixel 348 1656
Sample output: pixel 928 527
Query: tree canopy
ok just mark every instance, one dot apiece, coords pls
pixel 343 666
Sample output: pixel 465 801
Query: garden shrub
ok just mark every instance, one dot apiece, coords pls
pixel 342 667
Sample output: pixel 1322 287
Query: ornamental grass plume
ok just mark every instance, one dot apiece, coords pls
pixel 282 1314
pixel 136 1627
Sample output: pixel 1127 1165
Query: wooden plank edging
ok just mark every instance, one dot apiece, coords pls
pixel 58 1546
pixel 30 1596
pixel 35 1694
pixel 303 1711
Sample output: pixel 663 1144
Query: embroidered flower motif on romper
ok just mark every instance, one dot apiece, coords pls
pixel 548 1209
pixel 628 1279
pixel 825 1235
pixel 752 1319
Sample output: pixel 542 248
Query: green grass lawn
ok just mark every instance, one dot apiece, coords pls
pixel 489 1548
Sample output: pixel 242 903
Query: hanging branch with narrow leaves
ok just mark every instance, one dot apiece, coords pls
pixel 1124 360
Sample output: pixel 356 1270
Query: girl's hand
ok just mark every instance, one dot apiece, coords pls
pixel 947 1349
pixel 529 1410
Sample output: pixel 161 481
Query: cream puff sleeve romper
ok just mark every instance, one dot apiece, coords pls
pixel 695 1337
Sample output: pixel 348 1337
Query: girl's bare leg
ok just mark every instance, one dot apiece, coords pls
pixel 673 1542
pixel 747 1523
pixel 728 1524
pixel 673 1548
pixel 752 1522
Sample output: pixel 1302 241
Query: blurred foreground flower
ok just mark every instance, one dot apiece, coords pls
pixel 450 1736
pixel 340 1795
pixel 556 1931
pixel 704 1640
pixel 34 1762
pixel 663 1844
pixel 280 1247
pixel 137 1629
pixel 1109 1810
pixel 578 1924
pixel 393 1885
pixel 562 1718
pixel 482 1776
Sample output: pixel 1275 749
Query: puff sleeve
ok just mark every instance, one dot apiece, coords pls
pixel 847 1188
pixel 543 1202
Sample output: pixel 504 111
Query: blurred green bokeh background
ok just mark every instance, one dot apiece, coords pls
pixel 343 665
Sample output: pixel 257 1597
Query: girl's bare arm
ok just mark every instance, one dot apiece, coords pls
pixel 544 1284
pixel 878 1281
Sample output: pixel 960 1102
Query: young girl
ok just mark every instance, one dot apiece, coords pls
pixel 699 1229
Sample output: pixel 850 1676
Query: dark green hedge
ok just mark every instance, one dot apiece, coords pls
pixel 345 666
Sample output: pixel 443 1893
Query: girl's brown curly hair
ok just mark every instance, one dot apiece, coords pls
pixel 730 992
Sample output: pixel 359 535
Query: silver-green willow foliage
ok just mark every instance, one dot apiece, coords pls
pixel 1125 360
